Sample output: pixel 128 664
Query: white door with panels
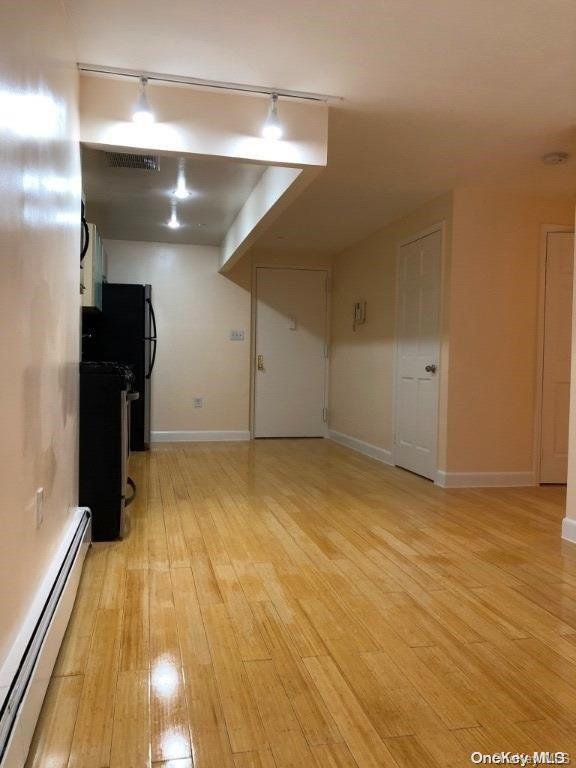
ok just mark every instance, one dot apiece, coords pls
pixel 291 353
pixel 418 354
pixel 557 353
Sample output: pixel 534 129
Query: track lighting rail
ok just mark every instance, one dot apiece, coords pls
pixel 215 84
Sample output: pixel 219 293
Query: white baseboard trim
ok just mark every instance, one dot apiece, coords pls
pixel 374 451
pixel 200 436
pixel 569 529
pixel 485 479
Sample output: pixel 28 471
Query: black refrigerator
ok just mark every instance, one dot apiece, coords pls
pixel 126 334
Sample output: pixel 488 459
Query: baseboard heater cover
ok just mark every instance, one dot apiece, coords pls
pixel 33 657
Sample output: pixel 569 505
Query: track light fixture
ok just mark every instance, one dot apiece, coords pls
pixel 181 191
pixel 174 222
pixel 143 115
pixel 272 128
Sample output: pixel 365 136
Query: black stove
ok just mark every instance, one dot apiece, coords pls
pixel 106 392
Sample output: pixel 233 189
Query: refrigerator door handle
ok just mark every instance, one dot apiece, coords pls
pixel 152 317
pixel 149 374
pixel 153 338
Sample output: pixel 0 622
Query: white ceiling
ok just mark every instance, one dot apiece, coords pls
pixel 128 204
pixel 436 93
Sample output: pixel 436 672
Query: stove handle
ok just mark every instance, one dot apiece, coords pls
pixel 130 499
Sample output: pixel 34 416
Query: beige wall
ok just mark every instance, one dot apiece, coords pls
pixel 196 309
pixel 493 331
pixel 361 368
pixel 39 298
pixel 490 315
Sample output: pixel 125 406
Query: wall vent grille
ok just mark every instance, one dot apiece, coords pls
pixel 136 162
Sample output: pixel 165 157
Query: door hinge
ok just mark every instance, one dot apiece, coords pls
pixel 326 350
pixel 325 414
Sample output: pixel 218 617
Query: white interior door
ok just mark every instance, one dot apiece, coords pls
pixel 290 375
pixel 557 351
pixel 418 354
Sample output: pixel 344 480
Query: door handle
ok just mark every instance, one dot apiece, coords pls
pixel 430 368
pixel 260 363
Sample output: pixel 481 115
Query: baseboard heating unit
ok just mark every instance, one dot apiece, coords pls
pixel 25 674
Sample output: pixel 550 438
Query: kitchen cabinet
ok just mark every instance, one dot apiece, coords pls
pixel 93 272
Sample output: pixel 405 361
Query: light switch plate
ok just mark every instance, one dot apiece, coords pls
pixel 237 335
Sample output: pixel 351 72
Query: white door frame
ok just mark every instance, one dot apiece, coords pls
pixel 439 227
pixel 545 230
pixel 253 321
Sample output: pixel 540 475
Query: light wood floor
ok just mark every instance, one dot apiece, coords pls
pixel 291 603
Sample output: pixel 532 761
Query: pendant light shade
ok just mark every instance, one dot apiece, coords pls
pixel 142 112
pixel 272 128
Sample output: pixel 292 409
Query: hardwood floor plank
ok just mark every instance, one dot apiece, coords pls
pixel 410 753
pixel 131 733
pixel 314 718
pixel 170 734
pixel 242 719
pixel 92 740
pixel 367 748
pixel 261 759
pixel 333 756
pixel 281 725
pixel 136 625
pixel 191 633
pixel 250 643
pixel 53 736
pixel 209 735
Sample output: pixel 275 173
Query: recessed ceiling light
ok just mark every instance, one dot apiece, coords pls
pixel 555 158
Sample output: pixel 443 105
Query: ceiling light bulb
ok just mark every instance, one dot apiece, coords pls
pixel 181 191
pixel 173 222
pixel 142 112
pixel 272 128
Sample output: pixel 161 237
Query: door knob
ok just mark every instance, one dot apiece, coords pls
pixel 430 368
pixel 260 363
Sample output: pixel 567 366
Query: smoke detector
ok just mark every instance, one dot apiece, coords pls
pixel 555 158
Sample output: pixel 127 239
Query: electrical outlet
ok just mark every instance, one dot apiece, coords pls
pixel 198 402
pixel 39 507
pixel 237 335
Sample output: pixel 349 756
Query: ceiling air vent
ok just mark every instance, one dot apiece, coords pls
pixel 137 162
